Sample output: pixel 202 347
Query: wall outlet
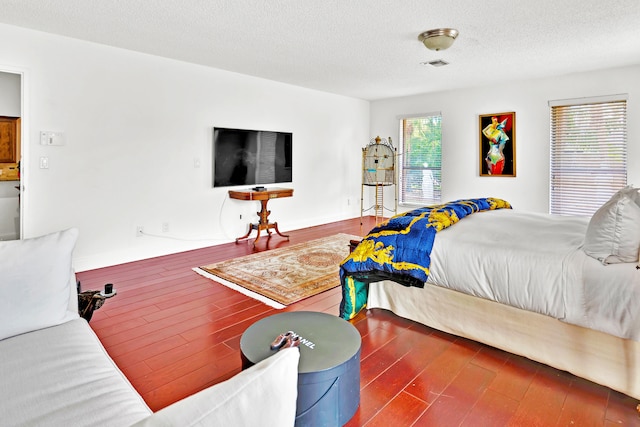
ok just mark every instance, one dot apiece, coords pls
pixel 165 227
pixel 139 231
pixel 44 163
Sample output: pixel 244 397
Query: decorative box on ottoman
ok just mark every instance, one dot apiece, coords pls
pixel 329 368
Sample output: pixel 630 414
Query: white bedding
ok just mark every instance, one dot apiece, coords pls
pixel 536 262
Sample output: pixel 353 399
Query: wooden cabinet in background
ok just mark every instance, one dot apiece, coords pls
pixel 9 148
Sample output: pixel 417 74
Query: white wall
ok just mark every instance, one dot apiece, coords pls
pixel 136 124
pixel 9 210
pixel 529 190
pixel 10 94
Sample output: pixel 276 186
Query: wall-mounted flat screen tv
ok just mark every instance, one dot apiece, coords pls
pixel 251 157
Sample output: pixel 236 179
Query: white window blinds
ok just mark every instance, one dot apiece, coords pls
pixel 421 158
pixel 588 154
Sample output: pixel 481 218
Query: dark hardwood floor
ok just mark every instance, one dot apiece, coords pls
pixel 174 332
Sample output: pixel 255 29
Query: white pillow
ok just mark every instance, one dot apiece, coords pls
pixel 263 395
pixel 36 281
pixel 613 234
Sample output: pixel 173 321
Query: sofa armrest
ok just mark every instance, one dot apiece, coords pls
pixel 262 395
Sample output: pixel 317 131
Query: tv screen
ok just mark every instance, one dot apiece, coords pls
pixel 251 157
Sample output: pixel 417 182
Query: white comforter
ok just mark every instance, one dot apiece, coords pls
pixel 535 262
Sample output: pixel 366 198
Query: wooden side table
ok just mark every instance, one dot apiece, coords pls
pixel 264 197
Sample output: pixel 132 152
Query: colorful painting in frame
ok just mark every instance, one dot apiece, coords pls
pixel 498 144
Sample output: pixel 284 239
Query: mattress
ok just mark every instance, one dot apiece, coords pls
pixel 535 262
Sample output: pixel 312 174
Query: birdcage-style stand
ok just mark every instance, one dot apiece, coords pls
pixel 379 171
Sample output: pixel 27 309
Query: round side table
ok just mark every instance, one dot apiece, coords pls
pixel 329 367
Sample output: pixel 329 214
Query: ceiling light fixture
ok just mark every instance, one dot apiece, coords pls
pixel 438 39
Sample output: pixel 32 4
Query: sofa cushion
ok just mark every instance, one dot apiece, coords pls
pixel 263 395
pixel 62 376
pixel 37 283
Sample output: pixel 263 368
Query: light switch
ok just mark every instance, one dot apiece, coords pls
pixel 44 163
pixel 51 138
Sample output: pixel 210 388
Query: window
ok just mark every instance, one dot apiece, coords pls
pixel 420 160
pixel 588 153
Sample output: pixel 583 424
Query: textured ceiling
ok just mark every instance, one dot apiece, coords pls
pixel 361 48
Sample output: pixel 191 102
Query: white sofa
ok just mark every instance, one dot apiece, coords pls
pixel 55 372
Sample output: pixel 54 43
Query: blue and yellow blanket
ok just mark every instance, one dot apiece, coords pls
pixel 400 249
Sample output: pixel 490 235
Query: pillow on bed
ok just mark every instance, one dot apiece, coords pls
pixel 613 234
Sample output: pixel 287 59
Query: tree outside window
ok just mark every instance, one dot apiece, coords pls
pixel 420 180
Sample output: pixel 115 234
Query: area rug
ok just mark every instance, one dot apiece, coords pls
pixel 282 276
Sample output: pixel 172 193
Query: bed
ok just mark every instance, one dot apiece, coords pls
pixel 563 291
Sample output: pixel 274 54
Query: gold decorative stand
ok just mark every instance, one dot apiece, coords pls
pixel 379 171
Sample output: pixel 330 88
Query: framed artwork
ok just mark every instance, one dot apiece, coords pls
pixel 498 144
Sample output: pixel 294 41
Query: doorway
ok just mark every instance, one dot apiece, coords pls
pixel 11 154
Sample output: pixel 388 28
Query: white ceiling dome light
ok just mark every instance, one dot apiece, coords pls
pixel 439 38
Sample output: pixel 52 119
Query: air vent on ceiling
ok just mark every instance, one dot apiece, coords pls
pixel 436 63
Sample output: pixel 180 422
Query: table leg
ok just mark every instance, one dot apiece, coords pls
pixel 263 224
pixel 275 225
pixel 246 235
pixel 264 213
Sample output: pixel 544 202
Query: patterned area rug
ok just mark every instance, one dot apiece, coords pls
pixel 282 276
